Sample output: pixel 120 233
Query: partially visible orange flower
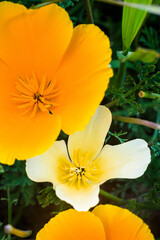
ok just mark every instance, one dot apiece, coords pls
pixel 52 77
pixel 107 222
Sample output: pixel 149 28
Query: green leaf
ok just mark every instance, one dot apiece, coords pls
pixel 48 196
pixel 141 54
pixel 154 9
pixel 131 22
pixel 120 56
pixel 156 149
pixel 22 188
pixel 1 169
pixel 132 205
pixel 118 136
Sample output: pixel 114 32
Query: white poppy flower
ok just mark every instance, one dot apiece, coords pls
pixel 76 174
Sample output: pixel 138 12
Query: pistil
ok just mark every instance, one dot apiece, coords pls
pixel 80 172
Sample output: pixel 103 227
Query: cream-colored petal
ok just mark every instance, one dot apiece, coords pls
pixel 127 160
pixel 82 199
pixel 44 168
pixel 90 141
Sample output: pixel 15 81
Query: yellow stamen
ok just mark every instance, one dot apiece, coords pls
pixel 42 85
pixel 29 87
pixel 52 95
pixel 81 172
pixel 33 97
pixel 23 90
pixel 33 81
pixel 25 105
pixel 34 110
pixel 49 88
pixel 42 106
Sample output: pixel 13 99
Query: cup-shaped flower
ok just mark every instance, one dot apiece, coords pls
pixel 106 222
pixel 52 77
pixel 76 177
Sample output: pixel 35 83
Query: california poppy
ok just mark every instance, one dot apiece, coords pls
pixel 106 222
pixel 76 176
pixel 52 77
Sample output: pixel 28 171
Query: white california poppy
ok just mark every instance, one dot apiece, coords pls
pixel 78 172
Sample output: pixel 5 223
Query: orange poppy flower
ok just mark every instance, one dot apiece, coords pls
pixel 106 222
pixel 52 77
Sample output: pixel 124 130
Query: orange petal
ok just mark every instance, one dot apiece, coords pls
pixel 38 38
pixel 121 224
pixel 51 29
pixel 9 10
pixel 15 48
pixel 22 136
pixel 84 75
pixel 72 225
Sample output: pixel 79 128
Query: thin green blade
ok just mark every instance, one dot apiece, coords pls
pixel 132 21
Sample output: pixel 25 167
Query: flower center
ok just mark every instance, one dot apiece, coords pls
pixel 33 97
pixel 81 172
pixel 37 96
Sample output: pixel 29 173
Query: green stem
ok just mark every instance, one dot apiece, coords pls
pixel 89 11
pixel 112 197
pixel 121 74
pixel 9 209
pixel 55 212
pixel 62 206
pixel 154 137
pixel 145 205
pixel 76 9
pixel 137 121
pixel 142 94
pixel 18 216
pixel 111 104
pixel 46 3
